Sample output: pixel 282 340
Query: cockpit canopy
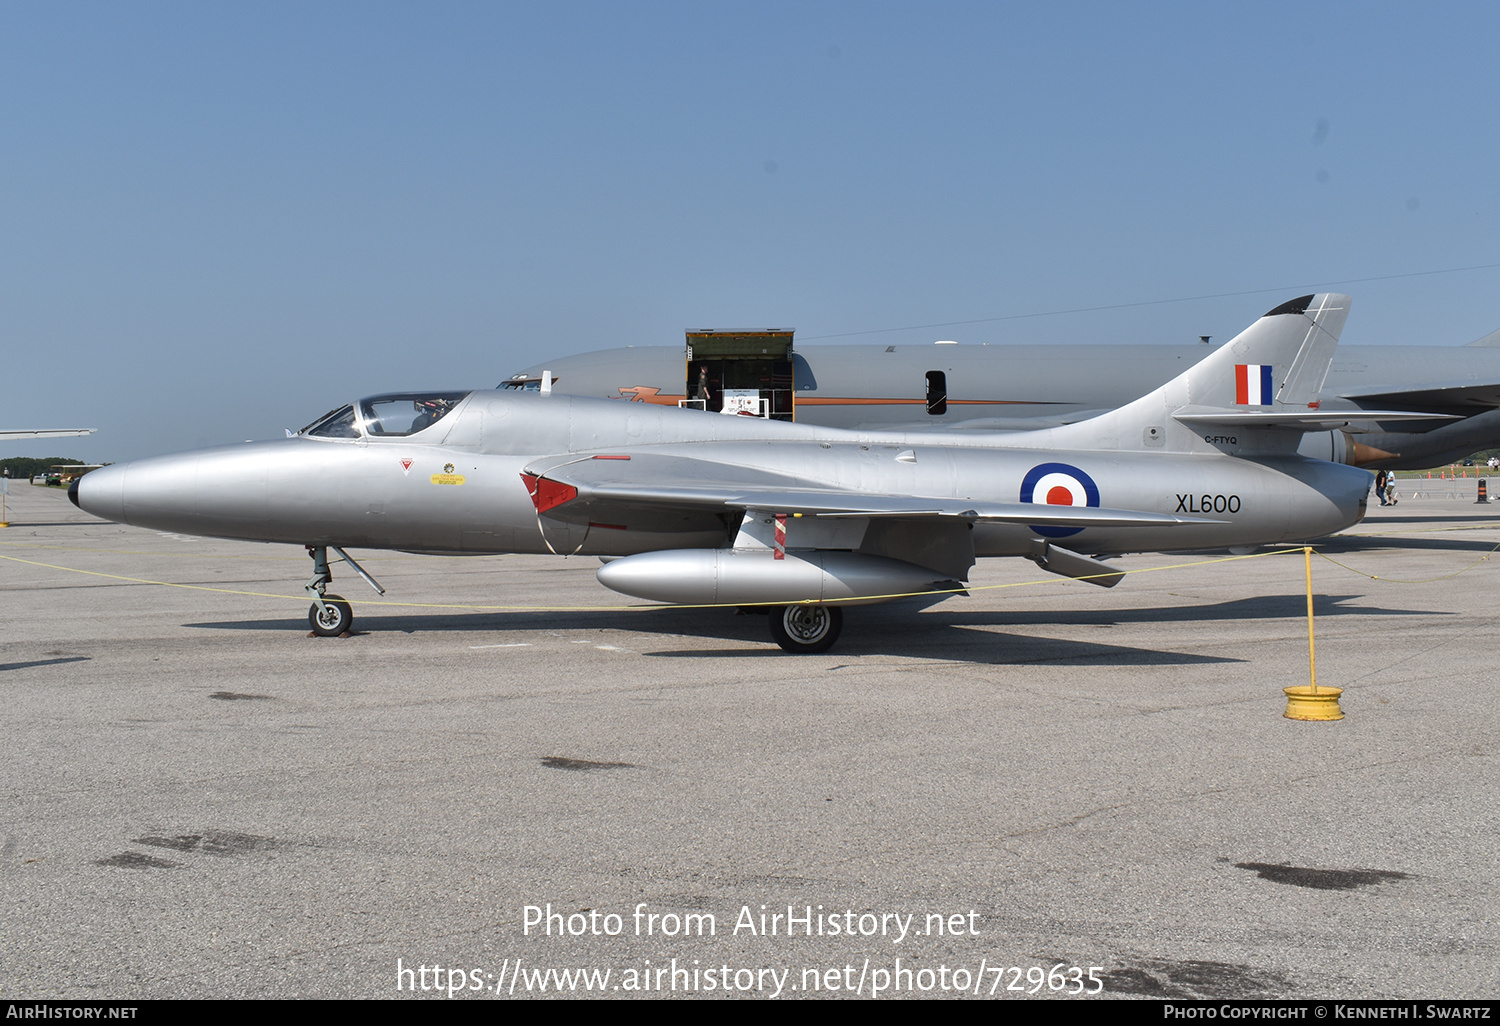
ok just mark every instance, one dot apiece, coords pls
pixel 393 415
pixel 521 383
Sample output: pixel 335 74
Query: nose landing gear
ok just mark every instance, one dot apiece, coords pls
pixel 331 615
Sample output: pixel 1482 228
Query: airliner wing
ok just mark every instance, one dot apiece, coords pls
pixel 1463 398
pixel 25 433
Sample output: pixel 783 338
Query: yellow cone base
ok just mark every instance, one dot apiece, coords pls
pixel 1302 703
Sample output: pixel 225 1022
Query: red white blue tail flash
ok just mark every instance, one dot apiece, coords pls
pixel 1252 384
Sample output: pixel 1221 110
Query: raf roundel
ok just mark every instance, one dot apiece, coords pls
pixel 1058 484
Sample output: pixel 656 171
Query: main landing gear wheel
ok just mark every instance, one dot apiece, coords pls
pixel 806 630
pixel 334 618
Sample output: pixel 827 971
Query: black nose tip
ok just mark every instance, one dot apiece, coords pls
pixel 73 492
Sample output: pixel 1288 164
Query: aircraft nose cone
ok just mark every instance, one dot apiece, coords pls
pixel 101 492
pixel 219 492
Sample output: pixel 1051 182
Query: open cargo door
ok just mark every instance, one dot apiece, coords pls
pixel 741 372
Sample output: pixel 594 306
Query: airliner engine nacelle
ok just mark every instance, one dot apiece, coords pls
pixel 1333 446
pixel 738 576
pixel 1340 447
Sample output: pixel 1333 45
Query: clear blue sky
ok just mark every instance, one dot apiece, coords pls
pixel 220 220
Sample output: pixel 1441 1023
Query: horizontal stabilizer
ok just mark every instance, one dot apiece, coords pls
pixel 1295 420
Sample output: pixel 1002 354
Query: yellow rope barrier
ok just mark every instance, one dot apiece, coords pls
pixel 632 608
pixel 1425 580
pixel 1050 580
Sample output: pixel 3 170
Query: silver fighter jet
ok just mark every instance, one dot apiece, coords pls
pixel 698 508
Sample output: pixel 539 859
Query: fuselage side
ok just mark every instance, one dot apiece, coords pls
pixel 457 485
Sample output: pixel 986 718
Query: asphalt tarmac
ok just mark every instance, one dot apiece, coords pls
pixel 202 801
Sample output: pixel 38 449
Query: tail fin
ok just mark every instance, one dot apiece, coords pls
pixel 1250 396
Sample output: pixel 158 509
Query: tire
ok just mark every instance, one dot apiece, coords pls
pixel 338 619
pixel 806 629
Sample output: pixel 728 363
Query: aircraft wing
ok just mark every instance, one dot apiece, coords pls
pixel 1464 398
pixel 655 492
pixel 614 489
pixel 24 433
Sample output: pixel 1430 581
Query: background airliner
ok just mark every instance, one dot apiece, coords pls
pixel 1017 387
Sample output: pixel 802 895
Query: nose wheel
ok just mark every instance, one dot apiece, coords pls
pixel 806 630
pixel 331 615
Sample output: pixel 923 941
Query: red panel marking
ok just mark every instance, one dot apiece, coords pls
pixel 1242 384
pixel 1059 496
pixel 546 494
pixel 611 457
pixel 780 537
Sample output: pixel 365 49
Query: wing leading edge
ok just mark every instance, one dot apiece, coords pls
pixel 590 488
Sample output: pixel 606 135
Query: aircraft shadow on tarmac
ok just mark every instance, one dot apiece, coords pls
pixel 1376 543
pixel 955 643
pixel 42 662
pixel 1475 519
pixel 1261 607
pixel 906 627
pixel 878 635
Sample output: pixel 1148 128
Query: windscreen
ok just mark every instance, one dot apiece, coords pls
pixel 339 423
pixel 406 413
